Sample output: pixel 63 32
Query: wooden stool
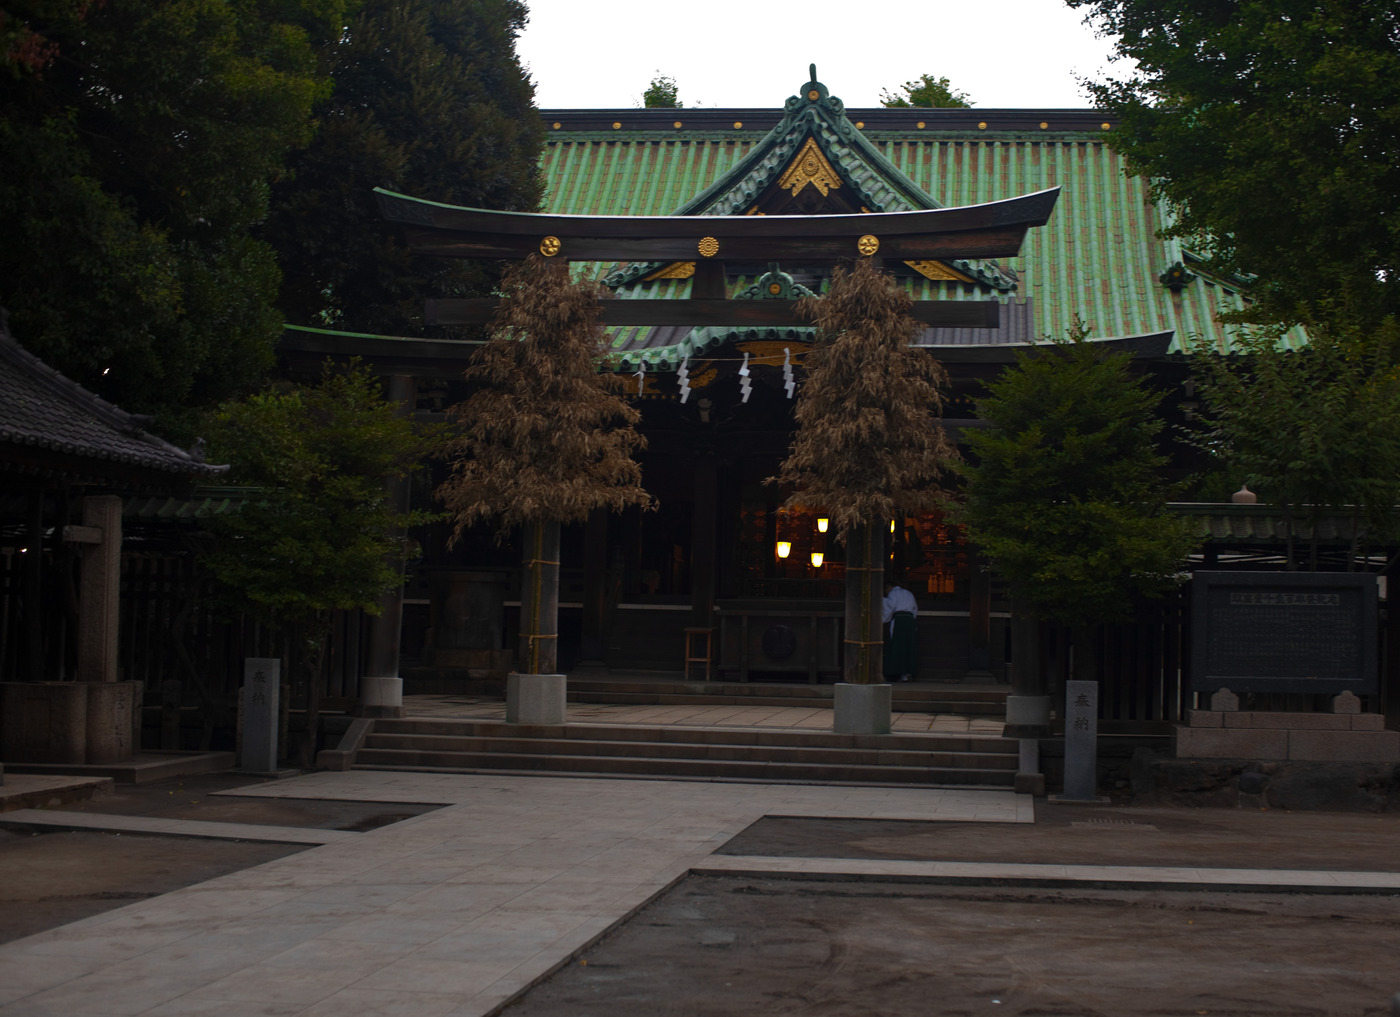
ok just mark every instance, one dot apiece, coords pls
pixel 692 636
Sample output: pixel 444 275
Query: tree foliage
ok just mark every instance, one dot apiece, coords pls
pixel 869 441
pixel 926 92
pixel 319 535
pixel 662 93
pixel 1064 492
pixel 138 152
pixel 430 100
pixel 1314 431
pixel 1272 129
pixel 546 436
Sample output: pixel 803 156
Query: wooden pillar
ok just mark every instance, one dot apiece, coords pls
pixel 381 688
pixel 865 593
pixel 595 593
pixel 703 542
pixel 979 618
pixel 34 589
pixel 539 599
pixel 98 598
pixel 708 281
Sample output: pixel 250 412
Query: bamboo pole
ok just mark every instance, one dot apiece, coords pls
pixel 539 601
pixel 865 591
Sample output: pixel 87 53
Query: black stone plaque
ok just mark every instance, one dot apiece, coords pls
pixel 1283 632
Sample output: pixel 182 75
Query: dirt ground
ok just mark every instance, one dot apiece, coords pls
pixel 716 947
pixel 723 946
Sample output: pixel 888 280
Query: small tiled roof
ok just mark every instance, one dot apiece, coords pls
pixel 50 422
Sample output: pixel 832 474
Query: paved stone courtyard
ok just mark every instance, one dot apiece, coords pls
pixel 511 879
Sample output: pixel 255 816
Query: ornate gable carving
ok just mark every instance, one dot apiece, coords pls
pixel 809 167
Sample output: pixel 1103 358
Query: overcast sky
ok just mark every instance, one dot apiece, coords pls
pixel 584 54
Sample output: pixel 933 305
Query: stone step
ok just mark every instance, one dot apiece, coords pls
pixel 696 735
pixel 708 753
pixel 705 769
pixel 957 700
pixel 692 750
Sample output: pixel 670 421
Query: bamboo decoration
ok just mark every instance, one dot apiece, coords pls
pixel 870 443
pixel 545 437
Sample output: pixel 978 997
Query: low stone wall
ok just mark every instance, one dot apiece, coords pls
pixel 1299 785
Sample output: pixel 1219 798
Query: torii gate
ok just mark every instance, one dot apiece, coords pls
pixel 989 230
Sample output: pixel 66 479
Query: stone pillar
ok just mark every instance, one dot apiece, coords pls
pixel 1081 741
pixel 261 687
pixel 381 688
pixel 98 597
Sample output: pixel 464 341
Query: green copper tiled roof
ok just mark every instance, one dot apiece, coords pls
pixel 1099 258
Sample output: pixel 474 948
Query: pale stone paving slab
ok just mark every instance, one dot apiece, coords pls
pixel 1126 876
pixel 452 912
pixel 61 820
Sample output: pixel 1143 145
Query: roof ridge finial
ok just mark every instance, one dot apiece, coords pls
pixel 812 68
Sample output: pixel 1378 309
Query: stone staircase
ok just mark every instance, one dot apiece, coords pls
pixel 710 753
pixel 963 700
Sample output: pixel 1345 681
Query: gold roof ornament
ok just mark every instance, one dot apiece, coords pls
pixel 708 247
pixel 550 246
pixel 938 271
pixel 868 245
pixel 809 166
pixel 675 270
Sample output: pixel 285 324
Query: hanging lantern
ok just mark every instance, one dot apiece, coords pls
pixel 784 548
pixel 891 525
pixel 817 558
pixel 822 523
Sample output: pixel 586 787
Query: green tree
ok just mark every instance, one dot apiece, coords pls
pixel 1315 432
pixel 137 164
pixel 1064 492
pixel 662 94
pixel 320 533
pixel 869 441
pixel 1272 130
pixel 430 100
pixel 546 438
pixel 927 92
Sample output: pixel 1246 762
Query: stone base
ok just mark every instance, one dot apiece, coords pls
pixel 1278 735
pixel 381 697
pixel 861 709
pixel 1029 784
pixel 69 722
pixel 535 698
pixel 1028 711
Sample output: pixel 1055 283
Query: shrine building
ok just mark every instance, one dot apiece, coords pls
pixel 716 393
